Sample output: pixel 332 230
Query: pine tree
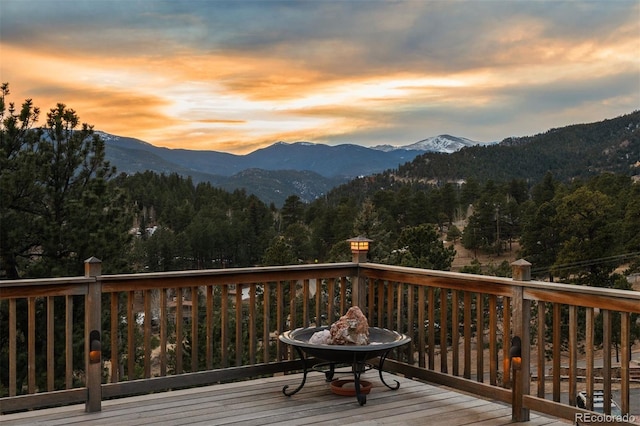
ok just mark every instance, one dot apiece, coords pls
pixel 58 206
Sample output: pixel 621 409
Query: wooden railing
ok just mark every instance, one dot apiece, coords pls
pixel 178 329
pixel 477 315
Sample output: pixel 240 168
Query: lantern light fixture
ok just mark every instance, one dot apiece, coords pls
pixel 95 347
pixel 515 352
pixel 359 248
pixel 359 244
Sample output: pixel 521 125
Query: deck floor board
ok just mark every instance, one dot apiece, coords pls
pixel 261 402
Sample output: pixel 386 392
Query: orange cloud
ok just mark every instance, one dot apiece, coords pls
pixel 191 80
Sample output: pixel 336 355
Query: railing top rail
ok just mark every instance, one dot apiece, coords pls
pixel 227 276
pixel 44 287
pixel 569 294
pixel 573 288
pixel 231 271
pixel 435 273
pixel 444 279
pixel 45 281
pixel 578 295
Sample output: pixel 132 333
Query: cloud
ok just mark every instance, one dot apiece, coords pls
pixel 238 74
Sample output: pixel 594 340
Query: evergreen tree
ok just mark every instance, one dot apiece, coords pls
pixel 586 221
pixel 58 206
pixel 19 163
pixel 369 225
pixel 279 253
pixel 292 211
pixel 421 247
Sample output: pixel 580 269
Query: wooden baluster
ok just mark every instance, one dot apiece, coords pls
pixel 209 326
pixel 195 342
pixel 252 323
pixel 606 359
pixel 318 302
pixel 50 343
pixel 542 325
pixel 12 347
pixel 589 347
pixel 164 318
pixel 68 330
pixel 410 322
pixel 399 306
pixel 389 305
pixel 506 338
pixel 224 327
pixel 444 327
pixel 31 345
pixel 480 337
pixel 625 358
pixel 239 350
pixel 455 333
pixel 467 335
pixel 305 303
pixel 293 288
pixel 266 324
pixel 493 340
pixel 557 350
pixel 573 354
pixel 421 331
pixel 115 350
pixel 131 345
pixel 147 333
pixel 381 285
pixel 431 331
pixel 179 332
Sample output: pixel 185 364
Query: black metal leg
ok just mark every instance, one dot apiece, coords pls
pixel 328 375
pixel 358 368
pixel 304 376
pixel 382 359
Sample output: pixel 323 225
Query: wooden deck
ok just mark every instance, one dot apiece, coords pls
pixel 261 402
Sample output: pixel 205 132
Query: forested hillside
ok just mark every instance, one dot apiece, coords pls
pixel 576 151
pixel 179 225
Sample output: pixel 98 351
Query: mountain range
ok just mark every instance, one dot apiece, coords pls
pixel 570 153
pixel 273 173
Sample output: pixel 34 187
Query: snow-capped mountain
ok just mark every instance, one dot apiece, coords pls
pixel 441 143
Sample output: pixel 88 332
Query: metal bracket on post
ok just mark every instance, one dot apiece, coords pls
pixel 92 334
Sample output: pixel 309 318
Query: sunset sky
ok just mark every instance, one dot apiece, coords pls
pixel 235 76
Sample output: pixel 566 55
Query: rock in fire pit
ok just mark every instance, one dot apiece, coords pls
pixel 351 329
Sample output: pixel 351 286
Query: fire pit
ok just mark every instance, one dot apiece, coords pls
pixel 382 341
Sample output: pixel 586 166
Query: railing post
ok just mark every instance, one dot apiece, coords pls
pixel 92 335
pixel 358 291
pixel 521 271
pixel 359 248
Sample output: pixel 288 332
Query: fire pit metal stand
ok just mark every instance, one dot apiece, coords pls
pixel 382 341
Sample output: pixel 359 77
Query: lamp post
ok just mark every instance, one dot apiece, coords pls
pixel 359 248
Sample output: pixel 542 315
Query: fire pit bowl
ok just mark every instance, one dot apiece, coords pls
pixel 382 341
